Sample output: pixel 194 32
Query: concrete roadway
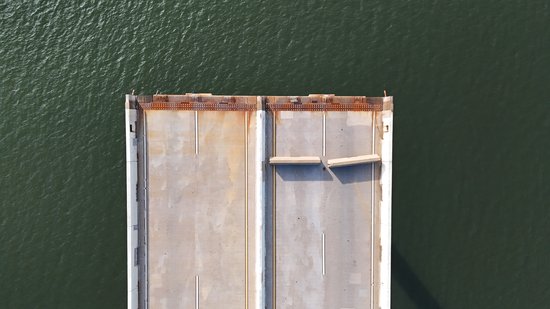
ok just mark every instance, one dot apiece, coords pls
pixel 201 207
pixel 197 209
pixel 323 216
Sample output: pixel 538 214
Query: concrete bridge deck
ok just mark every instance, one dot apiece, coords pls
pixel 212 224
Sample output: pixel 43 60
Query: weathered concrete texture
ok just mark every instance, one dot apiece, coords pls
pixel 323 217
pixel 197 209
pixel 223 184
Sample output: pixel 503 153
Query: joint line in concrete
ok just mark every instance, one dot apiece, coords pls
pixel 373 146
pixel 323 249
pixel 246 209
pixel 324 133
pixel 196 132
pixel 197 292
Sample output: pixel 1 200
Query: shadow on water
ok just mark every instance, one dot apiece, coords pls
pixel 403 274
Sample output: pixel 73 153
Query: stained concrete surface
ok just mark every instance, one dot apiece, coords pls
pixel 322 226
pixel 197 206
pixel 312 201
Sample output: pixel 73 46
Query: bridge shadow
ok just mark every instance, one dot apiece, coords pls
pixel 403 274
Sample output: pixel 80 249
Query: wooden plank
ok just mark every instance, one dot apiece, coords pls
pixel 294 160
pixel 365 159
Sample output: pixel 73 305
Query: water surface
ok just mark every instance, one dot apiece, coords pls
pixel 472 130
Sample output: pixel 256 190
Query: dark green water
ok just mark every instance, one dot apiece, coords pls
pixel 471 81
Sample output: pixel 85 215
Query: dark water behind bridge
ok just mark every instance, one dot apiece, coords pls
pixel 472 130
